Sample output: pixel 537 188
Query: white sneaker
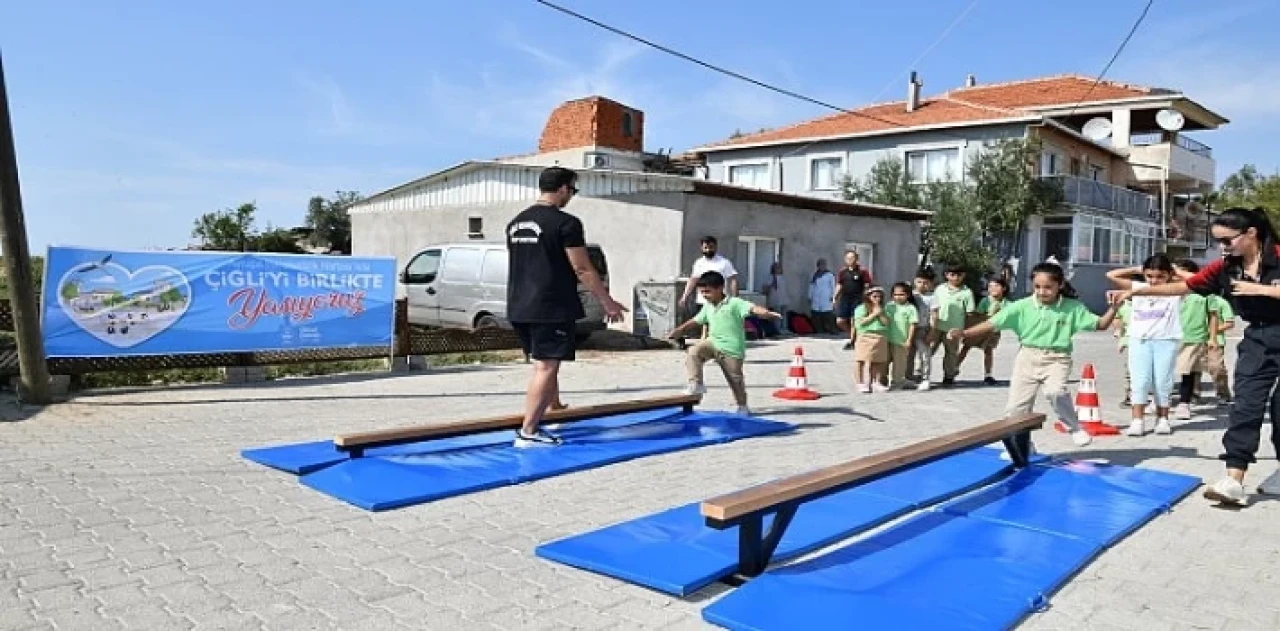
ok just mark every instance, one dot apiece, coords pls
pixel 1138 427
pixel 1081 438
pixel 924 386
pixel 742 410
pixel 1227 491
pixel 879 387
pixel 1163 427
pixel 695 389
pixel 1182 413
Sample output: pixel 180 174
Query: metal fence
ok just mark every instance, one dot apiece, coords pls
pixel 408 340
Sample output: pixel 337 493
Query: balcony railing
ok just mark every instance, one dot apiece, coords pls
pixel 1156 138
pixel 1079 191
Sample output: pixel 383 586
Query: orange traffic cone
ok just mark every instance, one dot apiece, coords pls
pixel 797 388
pixel 1089 408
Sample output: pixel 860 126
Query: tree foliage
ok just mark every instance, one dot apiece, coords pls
pixel 235 229
pixel 977 222
pixel 1250 189
pixel 329 222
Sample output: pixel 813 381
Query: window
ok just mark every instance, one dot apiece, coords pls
pixel 1057 243
pixel 423 268
pixel 1112 241
pixel 628 124
pixel 462 265
pixel 754 259
pixel 495 268
pixel 824 173
pixel 753 175
pixel 1050 163
pixel 1097 173
pixel 934 165
pixel 475 227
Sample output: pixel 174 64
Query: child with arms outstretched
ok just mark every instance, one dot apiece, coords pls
pixel 1045 322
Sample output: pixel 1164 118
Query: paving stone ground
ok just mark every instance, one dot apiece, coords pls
pixel 133 509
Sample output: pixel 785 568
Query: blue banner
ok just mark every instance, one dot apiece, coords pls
pixel 112 303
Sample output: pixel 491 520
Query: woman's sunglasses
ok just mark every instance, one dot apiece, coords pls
pixel 1227 241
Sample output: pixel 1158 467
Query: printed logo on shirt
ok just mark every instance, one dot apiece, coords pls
pixel 525 227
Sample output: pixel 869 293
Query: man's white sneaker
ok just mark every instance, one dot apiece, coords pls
pixel 540 438
pixel 924 386
pixel 1163 426
pixel 695 389
pixel 1138 427
pixel 1227 491
pixel 1081 438
pixel 742 410
pixel 1182 412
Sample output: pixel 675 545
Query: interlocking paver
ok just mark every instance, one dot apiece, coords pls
pixel 133 508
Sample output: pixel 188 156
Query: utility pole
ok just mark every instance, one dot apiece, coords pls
pixel 17 264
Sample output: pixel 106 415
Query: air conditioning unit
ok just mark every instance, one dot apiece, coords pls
pixel 595 160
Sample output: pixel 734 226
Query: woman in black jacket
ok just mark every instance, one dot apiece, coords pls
pixel 1248 276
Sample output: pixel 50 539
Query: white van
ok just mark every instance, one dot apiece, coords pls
pixel 464 285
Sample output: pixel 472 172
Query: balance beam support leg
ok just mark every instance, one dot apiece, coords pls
pixel 755 547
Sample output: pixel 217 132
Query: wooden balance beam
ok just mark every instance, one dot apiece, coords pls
pixel 748 507
pixel 356 443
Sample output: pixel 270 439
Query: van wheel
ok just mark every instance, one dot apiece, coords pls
pixel 487 322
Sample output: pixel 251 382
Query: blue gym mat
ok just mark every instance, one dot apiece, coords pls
pixel 391 481
pixel 934 571
pixel 303 458
pixel 982 561
pixel 675 552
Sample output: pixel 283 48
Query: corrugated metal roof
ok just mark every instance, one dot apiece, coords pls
pixel 483 182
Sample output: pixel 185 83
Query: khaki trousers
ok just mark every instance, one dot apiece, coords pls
pixel 899 362
pixel 1217 361
pixel 1041 372
pixel 703 352
pixel 950 355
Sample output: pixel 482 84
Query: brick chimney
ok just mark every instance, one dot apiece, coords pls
pixel 593 122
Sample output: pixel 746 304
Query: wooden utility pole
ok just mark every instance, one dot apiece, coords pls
pixel 17 264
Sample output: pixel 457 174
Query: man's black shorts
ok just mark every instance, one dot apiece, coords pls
pixel 845 307
pixel 547 341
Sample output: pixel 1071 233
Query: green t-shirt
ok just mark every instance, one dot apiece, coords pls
pixel 1194 315
pixel 904 317
pixel 724 324
pixel 874 326
pixel 1049 327
pixel 1123 315
pixel 989 307
pixel 1220 306
pixel 953 306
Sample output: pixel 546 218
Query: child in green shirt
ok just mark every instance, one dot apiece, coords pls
pixel 1194 317
pixel 871 321
pixel 725 341
pixel 990 305
pixel 1221 319
pixel 1045 322
pixel 902 335
pixel 954 304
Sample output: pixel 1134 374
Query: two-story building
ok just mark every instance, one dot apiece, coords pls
pixel 1130 174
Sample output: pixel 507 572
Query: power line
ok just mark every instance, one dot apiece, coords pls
pixel 1141 17
pixel 947 31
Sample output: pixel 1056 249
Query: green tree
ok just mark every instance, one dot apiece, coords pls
pixel 231 229
pixel 1006 192
pixel 1250 189
pixel 277 240
pixel 70 291
pixel 329 222
pixel 888 183
pixel 37 277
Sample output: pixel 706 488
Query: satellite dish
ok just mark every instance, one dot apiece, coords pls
pixel 1170 120
pixel 1097 128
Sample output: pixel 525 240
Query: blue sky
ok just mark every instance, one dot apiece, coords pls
pixel 133 118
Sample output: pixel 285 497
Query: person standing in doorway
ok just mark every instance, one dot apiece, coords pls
pixel 710 261
pixel 547 259
pixel 822 291
pixel 775 293
pixel 851 283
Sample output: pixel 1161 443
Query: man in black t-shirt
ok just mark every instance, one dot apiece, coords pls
pixel 851 284
pixel 547 259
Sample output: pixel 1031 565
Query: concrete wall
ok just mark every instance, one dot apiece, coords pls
pixel 640 234
pixel 805 237
pixel 859 154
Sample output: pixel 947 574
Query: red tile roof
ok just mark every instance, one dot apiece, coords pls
pixel 983 103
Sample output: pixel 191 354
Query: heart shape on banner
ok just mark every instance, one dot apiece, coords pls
pixel 121 307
